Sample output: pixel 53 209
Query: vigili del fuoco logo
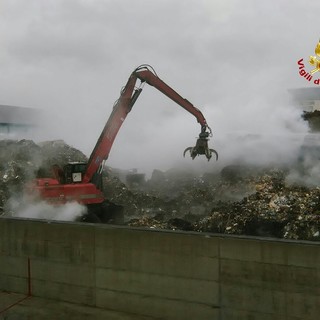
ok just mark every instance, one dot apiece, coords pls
pixel 315 62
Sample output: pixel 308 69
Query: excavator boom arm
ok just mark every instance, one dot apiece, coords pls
pixel 152 79
pixel 123 106
pixel 104 144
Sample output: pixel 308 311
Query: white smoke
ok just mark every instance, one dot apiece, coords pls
pixel 264 127
pixel 43 210
pixel 237 61
pixel 306 171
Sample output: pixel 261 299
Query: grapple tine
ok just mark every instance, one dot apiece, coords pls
pixel 201 147
pixel 216 153
pixel 188 149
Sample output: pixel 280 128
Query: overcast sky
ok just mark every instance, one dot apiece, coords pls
pixel 234 60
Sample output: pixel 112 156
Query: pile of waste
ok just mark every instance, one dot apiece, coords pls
pixel 21 161
pixel 240 199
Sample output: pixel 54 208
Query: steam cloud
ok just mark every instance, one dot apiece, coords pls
pixel 262 131
pixel 42 210
pixel 235 62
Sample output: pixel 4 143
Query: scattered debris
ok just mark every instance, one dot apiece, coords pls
pixel 239 200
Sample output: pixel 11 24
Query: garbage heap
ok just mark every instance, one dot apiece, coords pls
pixel 241 200
pixel 21 161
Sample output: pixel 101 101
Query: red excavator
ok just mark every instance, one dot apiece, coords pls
pixel 82 182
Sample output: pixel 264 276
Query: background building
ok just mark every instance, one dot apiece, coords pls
pixel 307 98
pixel 17 122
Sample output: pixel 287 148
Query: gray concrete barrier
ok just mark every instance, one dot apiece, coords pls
pixel 167 275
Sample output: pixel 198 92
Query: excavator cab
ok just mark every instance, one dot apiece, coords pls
pixel 72 172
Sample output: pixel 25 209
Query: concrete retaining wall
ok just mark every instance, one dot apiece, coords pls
pixel 166 275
